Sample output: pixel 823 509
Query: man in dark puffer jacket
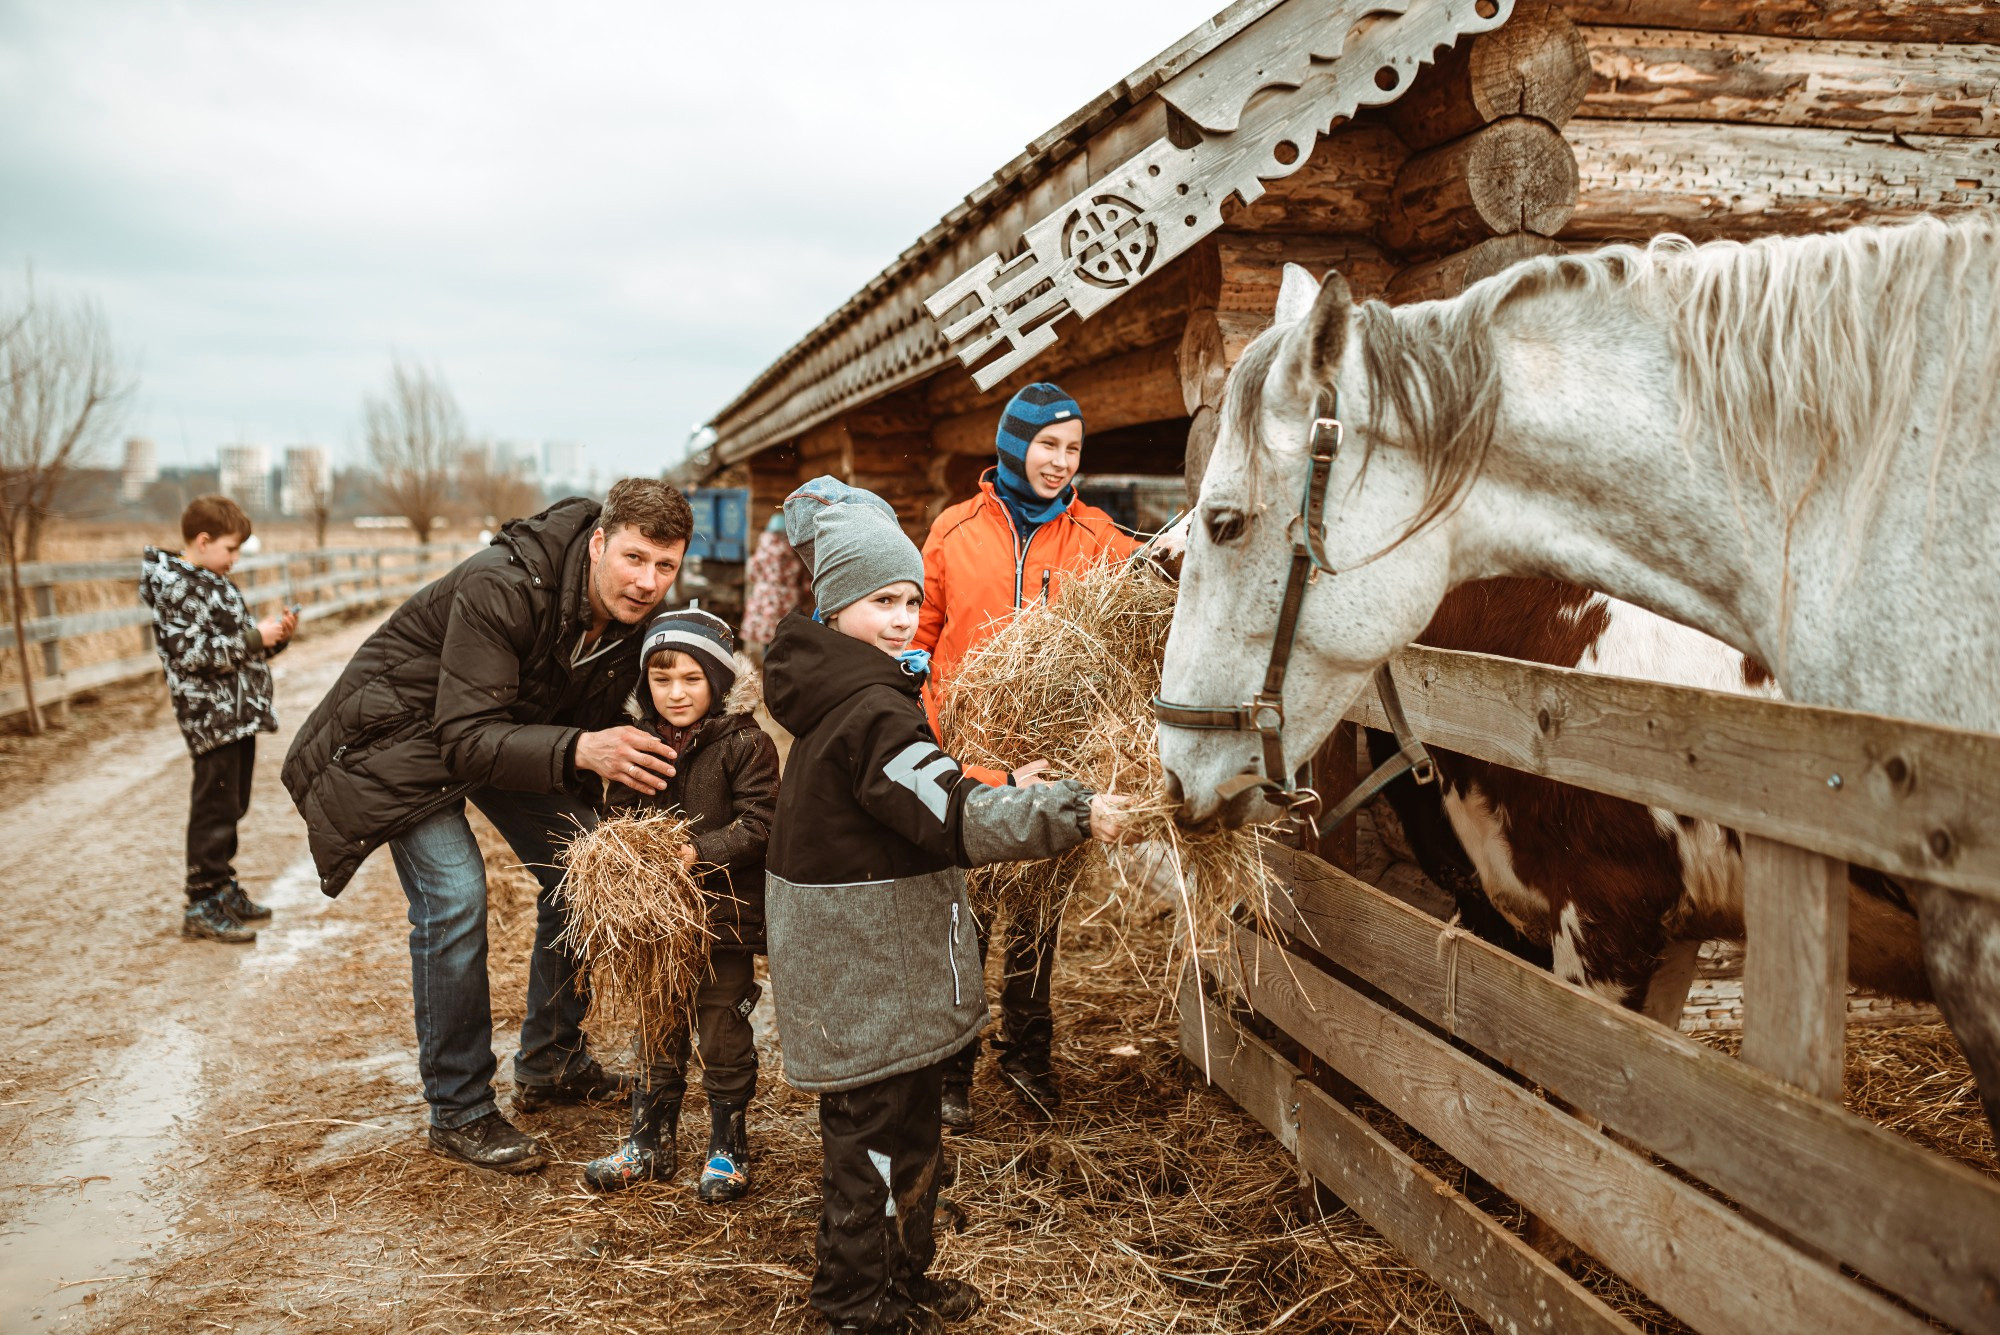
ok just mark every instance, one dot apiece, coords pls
pixel 494 685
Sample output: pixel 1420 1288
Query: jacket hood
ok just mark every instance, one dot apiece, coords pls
pixel 810 670
pixel 742 700
pixel 553 546
pixel 159 568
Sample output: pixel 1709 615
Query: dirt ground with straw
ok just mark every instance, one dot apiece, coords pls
pixel 198 1138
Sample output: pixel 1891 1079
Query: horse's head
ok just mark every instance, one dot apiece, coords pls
pixel 1240 554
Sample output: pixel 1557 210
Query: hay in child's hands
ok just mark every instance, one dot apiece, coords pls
pixel 638 917
pixel 1071 681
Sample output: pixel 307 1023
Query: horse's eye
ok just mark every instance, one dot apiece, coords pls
pixel 1225 525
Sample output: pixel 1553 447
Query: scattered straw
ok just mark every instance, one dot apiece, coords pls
pixel 637 915
pixel 1071 681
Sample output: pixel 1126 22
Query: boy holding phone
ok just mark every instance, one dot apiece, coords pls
pixel 217 659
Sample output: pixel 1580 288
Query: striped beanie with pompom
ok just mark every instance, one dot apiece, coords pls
pixel 702 636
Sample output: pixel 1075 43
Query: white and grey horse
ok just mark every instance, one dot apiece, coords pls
pixel 1793 445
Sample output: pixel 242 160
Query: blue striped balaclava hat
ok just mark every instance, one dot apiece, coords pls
pixel 702 636
pixel 1027 413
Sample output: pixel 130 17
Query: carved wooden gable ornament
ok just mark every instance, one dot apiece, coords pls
pixel 1258 103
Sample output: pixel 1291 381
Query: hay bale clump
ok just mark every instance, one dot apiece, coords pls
pixel 1071 680
pixel 639 919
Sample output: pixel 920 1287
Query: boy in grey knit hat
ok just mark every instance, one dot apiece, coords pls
pixel 874 962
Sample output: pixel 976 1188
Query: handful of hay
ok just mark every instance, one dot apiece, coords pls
pixel 1071 681
pixel 638 917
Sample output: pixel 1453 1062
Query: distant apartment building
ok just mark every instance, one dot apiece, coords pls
pixel 307 482
pixel 244 472
pixel 518 460
pixel 141 469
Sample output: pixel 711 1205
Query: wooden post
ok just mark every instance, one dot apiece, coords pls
pixel 1536 64
pixel 1336 769
pixel 1795 965
pixel 1515 175
pixel 52 664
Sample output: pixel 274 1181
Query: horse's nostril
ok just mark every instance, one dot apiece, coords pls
pixel 1174 793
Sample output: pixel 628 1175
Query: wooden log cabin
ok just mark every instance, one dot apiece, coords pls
pixel 1134 250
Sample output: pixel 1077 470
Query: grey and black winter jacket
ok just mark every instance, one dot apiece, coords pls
pixel 479 680
pixel 215 657
pixel 874 958
pixel 726 781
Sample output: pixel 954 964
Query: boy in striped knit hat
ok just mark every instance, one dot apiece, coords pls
pixel 697 695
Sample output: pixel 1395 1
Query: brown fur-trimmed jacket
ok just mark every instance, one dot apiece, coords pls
pixel 726 781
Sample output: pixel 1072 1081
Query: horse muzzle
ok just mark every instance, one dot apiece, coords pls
pixel 1237 802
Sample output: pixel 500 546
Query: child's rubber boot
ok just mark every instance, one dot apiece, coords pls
pixel 953 1300
pixel 726 1175
pixel 648 1154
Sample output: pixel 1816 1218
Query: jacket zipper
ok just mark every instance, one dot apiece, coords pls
pixel 1020 558
pixel 951 949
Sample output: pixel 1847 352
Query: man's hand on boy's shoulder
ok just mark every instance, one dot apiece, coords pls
pixel 631 756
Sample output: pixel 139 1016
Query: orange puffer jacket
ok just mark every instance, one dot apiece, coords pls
pixel 976 576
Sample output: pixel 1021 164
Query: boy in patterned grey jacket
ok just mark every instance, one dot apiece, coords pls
pixel 215 657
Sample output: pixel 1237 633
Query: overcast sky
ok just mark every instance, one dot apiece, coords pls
pixel 599 220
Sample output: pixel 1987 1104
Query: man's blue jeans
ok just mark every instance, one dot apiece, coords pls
pixel 445 879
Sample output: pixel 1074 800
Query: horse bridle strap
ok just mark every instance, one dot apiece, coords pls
pixel 1264 713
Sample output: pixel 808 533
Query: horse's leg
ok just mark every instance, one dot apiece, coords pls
pixel 1962 953
pixel 1667 991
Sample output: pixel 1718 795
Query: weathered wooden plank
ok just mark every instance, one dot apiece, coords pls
pixel 1342 187
pixel 1911 799
pixel 1795 965
pixel 1708 180
pixel 1691 1254
pixel 1855 20
pixel 1662 74
pixel 1484 1266
pixel 1515 175
pixel 1442 279
pixel 1537 65
pixel 1143 385
pixel 47 630
pixel 1797 1160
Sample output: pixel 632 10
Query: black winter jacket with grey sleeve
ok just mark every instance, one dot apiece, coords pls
pixel 874 957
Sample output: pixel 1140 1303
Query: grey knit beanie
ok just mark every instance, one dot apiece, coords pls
pixel 850 540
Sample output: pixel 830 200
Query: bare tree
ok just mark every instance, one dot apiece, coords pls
pixel 495 492
pixel 316 495
pixel 60 387
pixel 415 436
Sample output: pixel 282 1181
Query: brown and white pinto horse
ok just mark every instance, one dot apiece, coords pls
pixel 1611 895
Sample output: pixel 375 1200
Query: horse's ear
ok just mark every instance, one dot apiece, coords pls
pixel 1295 295
pixel 1326 327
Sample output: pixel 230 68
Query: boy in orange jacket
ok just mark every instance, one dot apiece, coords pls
pixel 985 559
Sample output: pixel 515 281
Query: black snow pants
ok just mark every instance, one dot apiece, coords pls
pixel 1027 1023
pixel 217 801
pixel 879 1189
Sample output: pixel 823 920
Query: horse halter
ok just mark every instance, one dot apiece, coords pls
pixel 1264 713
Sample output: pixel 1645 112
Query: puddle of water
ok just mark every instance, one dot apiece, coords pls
pixel 102 1220
pixel 301 922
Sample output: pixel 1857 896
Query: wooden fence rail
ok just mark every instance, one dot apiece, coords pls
pixel 371 575
pixel 1910 799
pixel 1771 1185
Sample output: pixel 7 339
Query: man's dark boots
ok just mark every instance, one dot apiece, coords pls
pixel 1026 1065
pixel 586 1082
pixel 490 1142
pixel 207 920
pixel 649 1153
pixel 726 1175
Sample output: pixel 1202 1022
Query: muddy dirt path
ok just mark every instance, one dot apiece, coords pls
pixel 125 1038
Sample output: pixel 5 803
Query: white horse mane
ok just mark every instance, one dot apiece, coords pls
pixel 1792 353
